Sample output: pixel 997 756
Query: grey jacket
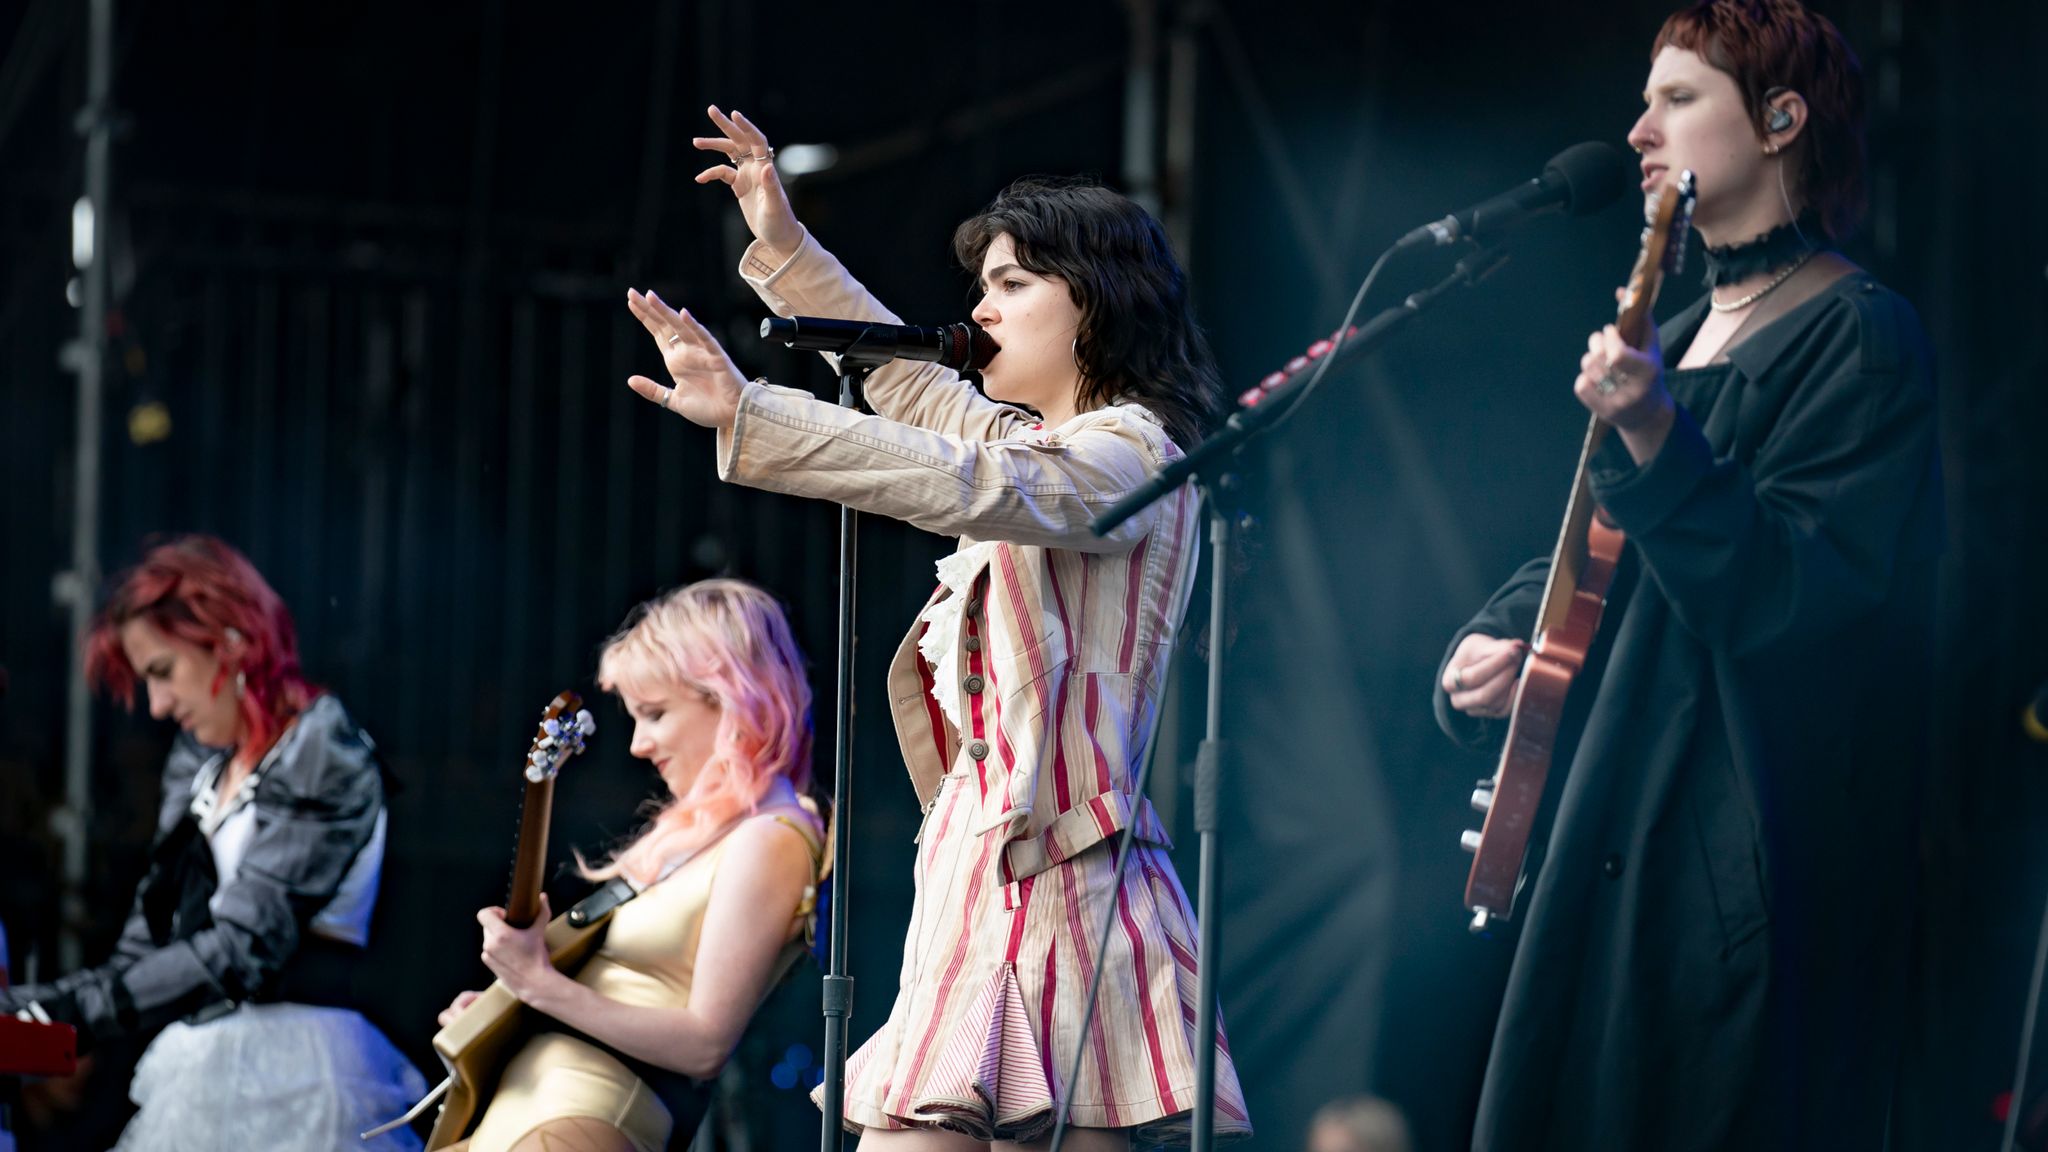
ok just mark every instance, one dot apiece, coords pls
pixel 188 947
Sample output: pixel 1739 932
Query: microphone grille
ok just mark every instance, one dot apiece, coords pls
pixel 967 348
pixel 1593 175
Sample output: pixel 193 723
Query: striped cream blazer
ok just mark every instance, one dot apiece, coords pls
pixel 1078 628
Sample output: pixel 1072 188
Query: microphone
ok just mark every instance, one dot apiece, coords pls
pixel 956 346
pixel 1580 180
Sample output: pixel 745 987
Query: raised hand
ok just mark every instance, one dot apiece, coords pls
pixel 707 385
pixel 750 173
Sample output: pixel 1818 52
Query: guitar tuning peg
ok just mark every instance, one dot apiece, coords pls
pixel 586 723
pixel 551 726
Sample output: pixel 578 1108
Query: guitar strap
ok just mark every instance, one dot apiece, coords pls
pixel 597 906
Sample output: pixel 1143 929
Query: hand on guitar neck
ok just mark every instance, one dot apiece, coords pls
pixel 518 957
pixel 1633 399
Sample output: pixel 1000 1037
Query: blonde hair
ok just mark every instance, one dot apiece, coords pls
pixel 730 639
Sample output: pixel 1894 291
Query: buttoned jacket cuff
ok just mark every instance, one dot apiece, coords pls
pixel 776 276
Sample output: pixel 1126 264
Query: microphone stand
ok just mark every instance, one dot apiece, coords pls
pixel 1210 460
pixel 854 364
pixel 2031 722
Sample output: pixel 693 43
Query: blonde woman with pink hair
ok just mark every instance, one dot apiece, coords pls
pixel 726 873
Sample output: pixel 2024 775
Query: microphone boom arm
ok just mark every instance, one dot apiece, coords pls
pixel 1248 422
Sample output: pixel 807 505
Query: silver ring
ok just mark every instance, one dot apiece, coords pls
pixel 1458 679
pixel 675 339
pixel 663 401
pixel 767 154
pixel 1606 384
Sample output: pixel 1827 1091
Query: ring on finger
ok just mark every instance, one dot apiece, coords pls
pixel 1607 384
pixel 1458 679
pixel 664 397
pixel 675 339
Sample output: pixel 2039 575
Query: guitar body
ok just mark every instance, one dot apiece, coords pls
pixel 1582 568
pixel 1538 707
pixel 476 1045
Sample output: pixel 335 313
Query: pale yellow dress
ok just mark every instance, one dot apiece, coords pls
pixel 649 958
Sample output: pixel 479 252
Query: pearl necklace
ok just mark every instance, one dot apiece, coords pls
pixel 1766 290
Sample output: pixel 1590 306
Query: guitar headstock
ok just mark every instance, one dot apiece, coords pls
pixel 1667 213
pixel 1682 196
pixel 564 727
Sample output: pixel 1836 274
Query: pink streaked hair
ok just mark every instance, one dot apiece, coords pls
pixel 731 639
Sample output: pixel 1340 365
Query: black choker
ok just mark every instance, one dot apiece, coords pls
pixel 1774 249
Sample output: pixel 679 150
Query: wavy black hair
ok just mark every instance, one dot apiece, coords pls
pixel 1138 340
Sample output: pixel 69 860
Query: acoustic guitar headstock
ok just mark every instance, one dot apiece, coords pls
pixel 564 727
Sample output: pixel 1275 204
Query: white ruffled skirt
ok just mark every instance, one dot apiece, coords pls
pixel 271 1076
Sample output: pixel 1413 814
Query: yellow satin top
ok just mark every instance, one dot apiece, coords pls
pixel 648 958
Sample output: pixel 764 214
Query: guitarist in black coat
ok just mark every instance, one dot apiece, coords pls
pixel 1715 947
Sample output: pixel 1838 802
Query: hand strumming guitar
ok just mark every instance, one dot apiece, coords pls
pixel 1480 676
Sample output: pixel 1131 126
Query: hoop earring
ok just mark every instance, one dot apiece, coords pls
pixel 241 685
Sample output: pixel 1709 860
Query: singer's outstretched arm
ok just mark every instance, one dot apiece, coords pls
pixel 1041 487
pixel 795 276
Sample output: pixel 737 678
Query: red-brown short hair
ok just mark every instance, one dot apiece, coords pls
pixel 196 588
pixel 1772 44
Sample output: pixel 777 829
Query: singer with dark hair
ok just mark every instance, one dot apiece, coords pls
pixel 1027 691
pixel 235 959
pixel 1715 949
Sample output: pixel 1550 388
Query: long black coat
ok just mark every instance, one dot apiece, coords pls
pixel 1715 950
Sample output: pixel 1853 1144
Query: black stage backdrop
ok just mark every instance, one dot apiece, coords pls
pixel 369 269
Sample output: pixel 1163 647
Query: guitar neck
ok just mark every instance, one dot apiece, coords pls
pixel 1568 559
pixel 529 865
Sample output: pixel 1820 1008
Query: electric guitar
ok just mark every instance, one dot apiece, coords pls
pixel 476 1044
pixel 1581 572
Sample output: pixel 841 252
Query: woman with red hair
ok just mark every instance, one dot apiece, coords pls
pixel 1714 950
pixel 262 879
pixel 725 879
